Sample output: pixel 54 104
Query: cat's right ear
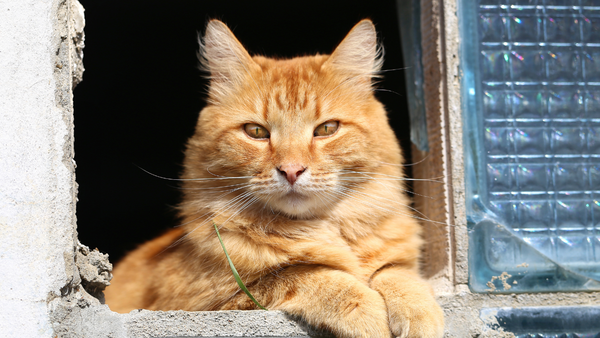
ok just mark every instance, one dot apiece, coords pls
pixel 358 55
pixel 224 58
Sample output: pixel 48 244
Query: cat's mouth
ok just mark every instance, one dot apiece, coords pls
pixel 295 197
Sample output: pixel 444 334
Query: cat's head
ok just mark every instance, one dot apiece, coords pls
pixel 293 136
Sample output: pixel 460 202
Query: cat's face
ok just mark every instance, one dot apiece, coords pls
pixel 299 134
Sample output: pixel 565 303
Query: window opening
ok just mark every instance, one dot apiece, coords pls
pixel 139 103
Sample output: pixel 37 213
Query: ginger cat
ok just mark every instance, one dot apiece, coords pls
pixel 296 163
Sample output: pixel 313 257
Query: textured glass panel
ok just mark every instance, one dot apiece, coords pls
pixel 528 103
pixel 591 62
pixel 592 103
pixel 563 64
pixel 591 28
pixel 526 64
pixel 531 86
pixel 525 27
pixel 495 65
pixel 561 26
pixel 492 27
pixel 496 104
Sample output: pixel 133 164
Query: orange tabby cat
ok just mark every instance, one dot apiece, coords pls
pixel 296 163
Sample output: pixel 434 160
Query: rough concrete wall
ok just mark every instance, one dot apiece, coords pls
pixel 38 57
pixel 462 308
pixel 143 323
pixel 453 116
pixel 37 190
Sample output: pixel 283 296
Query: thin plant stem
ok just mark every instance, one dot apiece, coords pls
pixel 234 271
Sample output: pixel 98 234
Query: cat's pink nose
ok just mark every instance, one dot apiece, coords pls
pixel 291 171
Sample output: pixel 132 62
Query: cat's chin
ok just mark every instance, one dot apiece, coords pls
pixel 295 205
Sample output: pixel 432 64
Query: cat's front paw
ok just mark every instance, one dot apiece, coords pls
pixel 412 309
pixel 424 319
pixel 367 318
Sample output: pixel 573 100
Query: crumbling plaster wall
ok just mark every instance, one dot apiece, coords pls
pixel 37 182
pixel 41 262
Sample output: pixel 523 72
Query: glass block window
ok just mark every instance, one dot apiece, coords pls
pixel 546 322
pixel 531 102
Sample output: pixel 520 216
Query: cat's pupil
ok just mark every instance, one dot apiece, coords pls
pixel 327 128
pixel 256 131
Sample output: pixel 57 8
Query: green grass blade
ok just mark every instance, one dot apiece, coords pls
pixel 235 273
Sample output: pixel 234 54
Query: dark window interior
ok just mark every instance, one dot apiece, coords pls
pixel 141 94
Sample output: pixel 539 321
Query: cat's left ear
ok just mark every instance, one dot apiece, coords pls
pixel 359 53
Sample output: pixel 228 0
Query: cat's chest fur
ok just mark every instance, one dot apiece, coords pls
pixel 358 247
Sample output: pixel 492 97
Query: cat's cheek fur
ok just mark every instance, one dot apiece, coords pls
pixel 239 153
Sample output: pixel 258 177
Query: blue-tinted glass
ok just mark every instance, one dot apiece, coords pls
pixel 546 322
pixel 531 102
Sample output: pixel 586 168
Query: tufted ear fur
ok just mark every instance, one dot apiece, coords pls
pixel 224 58
pixel 358 54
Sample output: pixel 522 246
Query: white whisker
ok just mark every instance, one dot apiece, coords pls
pixel 388 210
pixel 391 177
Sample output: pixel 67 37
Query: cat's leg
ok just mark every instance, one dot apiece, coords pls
pixel 325 298
pixel 413 311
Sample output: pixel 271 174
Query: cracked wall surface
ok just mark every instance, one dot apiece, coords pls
pixel 37 186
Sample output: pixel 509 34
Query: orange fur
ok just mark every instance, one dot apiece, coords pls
pixel 339 247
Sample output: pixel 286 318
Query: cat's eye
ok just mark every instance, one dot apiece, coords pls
pixel 327 128
pixel 256 131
